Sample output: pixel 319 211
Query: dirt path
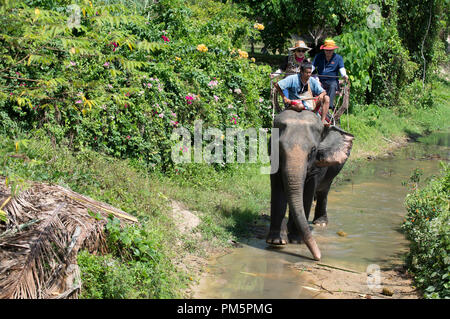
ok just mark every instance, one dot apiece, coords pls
pixel 332 283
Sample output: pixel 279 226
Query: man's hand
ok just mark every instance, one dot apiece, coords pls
pixel 345 78
pixel 297 105
pixel 325 123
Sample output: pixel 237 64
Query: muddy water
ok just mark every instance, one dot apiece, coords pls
pixel 368 210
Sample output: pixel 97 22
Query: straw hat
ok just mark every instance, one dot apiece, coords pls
pixel 300 45
pixel 329 45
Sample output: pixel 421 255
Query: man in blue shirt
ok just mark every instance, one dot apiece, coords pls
pixel 328 65
pixel 299 90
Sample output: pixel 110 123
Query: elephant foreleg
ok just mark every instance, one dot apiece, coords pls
pixel 278 207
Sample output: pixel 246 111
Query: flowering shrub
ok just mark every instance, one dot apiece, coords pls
pixel 120 83
pixel 258 26
pixel 242 54
pixel 202 48
pixel 427 227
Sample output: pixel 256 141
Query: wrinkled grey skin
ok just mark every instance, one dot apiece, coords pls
pixel 310 156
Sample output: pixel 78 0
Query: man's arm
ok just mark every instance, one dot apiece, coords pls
pixel 342 69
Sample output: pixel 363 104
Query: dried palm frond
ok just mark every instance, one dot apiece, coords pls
pixel 47 226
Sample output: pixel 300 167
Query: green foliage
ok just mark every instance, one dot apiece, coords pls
pixel 382 53
pixel 285 17
pixel 427 227
pixel 377 64
pixel 419 25
pixel 118 81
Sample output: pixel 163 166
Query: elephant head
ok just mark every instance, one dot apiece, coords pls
pixel 306 148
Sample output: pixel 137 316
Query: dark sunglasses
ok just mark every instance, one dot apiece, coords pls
pixel 298 50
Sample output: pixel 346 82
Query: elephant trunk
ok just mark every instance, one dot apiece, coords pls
pixel 294 177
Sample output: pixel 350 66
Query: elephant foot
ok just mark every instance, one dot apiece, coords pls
pixel 294 239
pixel 275 239
pixel 322 221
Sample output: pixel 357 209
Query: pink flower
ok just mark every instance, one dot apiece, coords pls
pixel 216 98
pixel 261 100
pixel 78 102
pixel 213 84
pixel 128 136
pixel 166 39
pixel 173 114
pixel 161 115
pixel 126 105
pixel 174 123
pixel 149 85
pixel 189 98
pixel 72 63
pixel 106 64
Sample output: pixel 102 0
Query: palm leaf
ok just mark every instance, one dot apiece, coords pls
pixel 48 225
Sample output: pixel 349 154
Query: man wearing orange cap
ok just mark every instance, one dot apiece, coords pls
pixel 329 65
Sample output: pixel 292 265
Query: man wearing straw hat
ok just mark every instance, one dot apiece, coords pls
pixel 329 64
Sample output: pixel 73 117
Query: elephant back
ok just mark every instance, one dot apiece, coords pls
pixel 290 117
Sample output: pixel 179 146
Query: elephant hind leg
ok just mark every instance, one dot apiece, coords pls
pixel 278 207
pixel 320 213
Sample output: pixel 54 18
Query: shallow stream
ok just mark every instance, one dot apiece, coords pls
pixel 368 209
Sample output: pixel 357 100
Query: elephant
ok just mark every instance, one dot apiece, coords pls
pixel 310 155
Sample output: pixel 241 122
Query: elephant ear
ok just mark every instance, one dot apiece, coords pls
pixel 335 147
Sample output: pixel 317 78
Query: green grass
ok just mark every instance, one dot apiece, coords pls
pixel 376 128
pixel 230 200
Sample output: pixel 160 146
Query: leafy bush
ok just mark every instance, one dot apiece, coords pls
pixel 135 268
pixel 427 227
pixel 378 66
pixel 419 25
pixel 120 82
